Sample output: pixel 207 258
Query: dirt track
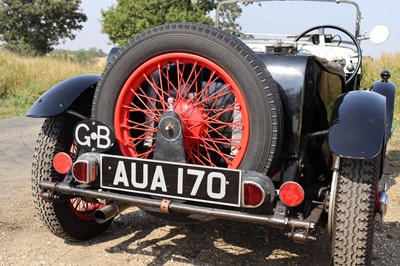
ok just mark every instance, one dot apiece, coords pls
pixel 137 238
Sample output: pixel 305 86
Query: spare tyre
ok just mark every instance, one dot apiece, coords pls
pixel 226 99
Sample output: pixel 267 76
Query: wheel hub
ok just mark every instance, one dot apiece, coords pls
pixel 193 120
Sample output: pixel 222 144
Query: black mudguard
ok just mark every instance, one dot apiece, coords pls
pixel 387 89
pixel 59 98
pixel 357 127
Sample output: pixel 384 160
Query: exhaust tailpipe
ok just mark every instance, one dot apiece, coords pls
pixel 109 211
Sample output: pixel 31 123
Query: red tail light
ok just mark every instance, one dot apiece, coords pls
pixel 62 163
pixel 291 194
pixel 84 171
pixel 253 194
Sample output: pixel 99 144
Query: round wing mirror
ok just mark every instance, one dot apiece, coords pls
pixel 379 34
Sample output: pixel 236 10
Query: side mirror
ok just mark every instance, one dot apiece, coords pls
pixel 379 34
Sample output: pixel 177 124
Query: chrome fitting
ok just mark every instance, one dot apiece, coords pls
pixel 383 200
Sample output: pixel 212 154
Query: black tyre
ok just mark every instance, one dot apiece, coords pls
pixel 70 219
pixel 353 225
pixel 227 100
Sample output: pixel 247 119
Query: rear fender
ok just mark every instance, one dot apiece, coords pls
pixel 387 89
pixel 357 127
pixel 60 98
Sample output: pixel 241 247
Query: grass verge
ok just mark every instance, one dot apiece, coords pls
pixel 24 79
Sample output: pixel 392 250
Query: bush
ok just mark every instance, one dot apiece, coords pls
pixel 373 68
pixel 84 57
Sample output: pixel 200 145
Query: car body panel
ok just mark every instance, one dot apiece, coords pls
pixel 387 89
pixel 59 98
pixel 308 89
pixel 358 125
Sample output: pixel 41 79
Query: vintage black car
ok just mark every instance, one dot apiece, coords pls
pixel 190 121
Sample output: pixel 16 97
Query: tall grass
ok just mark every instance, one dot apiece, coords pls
pixel 373 67
pixel 24 79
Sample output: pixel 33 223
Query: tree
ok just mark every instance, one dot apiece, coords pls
pixel 128 18
pixel 35 26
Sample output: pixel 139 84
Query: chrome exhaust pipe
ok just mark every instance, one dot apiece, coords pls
pixel 109 211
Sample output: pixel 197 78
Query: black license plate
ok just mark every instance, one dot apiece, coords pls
pixel 171 180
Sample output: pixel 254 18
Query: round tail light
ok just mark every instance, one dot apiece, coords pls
pixel 62 163
pixel 291 194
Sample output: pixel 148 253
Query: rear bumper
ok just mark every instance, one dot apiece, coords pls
pixel 51 190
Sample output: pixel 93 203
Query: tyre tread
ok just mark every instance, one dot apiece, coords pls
pixel 354 212
pixel 55 136
pixel 47 145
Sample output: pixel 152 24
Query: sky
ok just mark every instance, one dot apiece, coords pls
pixel 90 36
pixel 374 12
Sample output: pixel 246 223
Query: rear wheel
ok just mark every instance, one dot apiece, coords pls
pixel 71 218
pixel 226 99
pixel 354 212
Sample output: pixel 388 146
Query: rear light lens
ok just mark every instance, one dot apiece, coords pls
pixel 253 194
pixel 84 171
pixel 291 194
pixel 62 163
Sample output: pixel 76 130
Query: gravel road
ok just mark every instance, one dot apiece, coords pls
pixel 137 238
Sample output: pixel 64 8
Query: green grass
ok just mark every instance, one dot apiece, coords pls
pixel 24 79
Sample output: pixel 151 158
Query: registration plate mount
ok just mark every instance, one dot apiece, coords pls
pixel 171 180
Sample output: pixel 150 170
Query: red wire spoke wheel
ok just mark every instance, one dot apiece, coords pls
pixel 69 218
pixel 227 100
pixel 209 102
pixel 82 209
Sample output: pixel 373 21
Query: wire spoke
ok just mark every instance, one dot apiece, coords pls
pixel 208 106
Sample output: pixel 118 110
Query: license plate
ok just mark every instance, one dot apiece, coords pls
pixel 171 180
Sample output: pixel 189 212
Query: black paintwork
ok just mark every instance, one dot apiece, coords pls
pixel 94 136
pixel 358 125
pixel 387 89
pixel 308 88
pixel 169 144
pixel 59 98
pixel 113 53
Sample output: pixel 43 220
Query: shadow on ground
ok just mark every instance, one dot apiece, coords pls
pixel 392 167
pixel 208 243
pixel 226 243
pixel 232 243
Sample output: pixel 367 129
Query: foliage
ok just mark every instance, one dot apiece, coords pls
pixel 24 79
pixel 129 18
pixel 229 13
pixel 81 56
pixel 35 26
pixel 372 69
